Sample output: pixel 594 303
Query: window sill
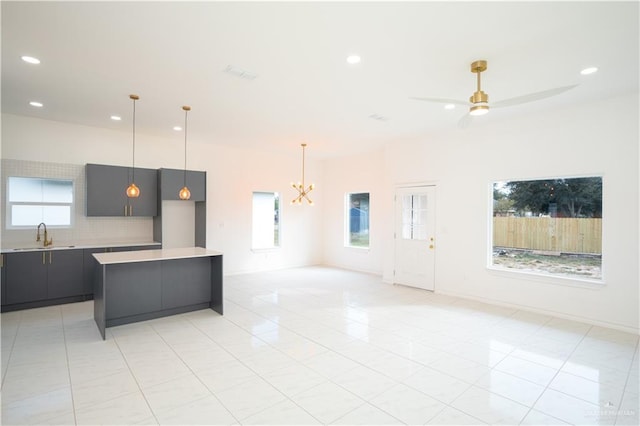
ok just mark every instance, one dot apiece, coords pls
pixel 356 248
pixel 590 284
pixel 265 250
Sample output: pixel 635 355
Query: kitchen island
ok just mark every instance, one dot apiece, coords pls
pixel 147 284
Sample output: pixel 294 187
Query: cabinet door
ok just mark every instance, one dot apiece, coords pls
pixel 197 183
pixel 133 289
pixel 106 187
pixel 147 203
pixel 172 181
pixel 186 282
pixel 3 279
pixel 26 277
pixel 64 273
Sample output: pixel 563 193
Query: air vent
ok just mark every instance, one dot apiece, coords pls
pixel 239 72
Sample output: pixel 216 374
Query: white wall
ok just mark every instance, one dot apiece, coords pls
pixel 354 174
pixel 599 138
pixel 232 175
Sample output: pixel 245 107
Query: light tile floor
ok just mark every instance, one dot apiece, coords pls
pixel 318 346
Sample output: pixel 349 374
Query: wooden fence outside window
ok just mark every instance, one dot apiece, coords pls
pixel 566 235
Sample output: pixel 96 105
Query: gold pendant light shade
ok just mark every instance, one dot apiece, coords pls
pixel 303 192
pixel 184 193
pixel 132 190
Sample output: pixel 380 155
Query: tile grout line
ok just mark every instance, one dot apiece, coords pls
pixel 13 343
pixel 255 372
pixel 66 353
pixel 546 388
pixel 190 369
pixel 134 378
pixel 626 382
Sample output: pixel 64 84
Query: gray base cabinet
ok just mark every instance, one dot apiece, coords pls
pixel 42 275
pixel 106 187
pixel 64 274
pixel 26 277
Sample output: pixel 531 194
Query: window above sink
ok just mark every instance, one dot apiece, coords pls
pixel 32 200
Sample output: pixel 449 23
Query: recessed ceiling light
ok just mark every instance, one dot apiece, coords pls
pixel 589 70
pixel 116 118
pixel 177 128
pixel 353 59
pixel 36 104
pixel 450 106
pixel 30 59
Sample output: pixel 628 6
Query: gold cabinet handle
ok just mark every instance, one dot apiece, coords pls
pixel 130 210
pixel 44 258
pixel 125 210
pixel 50 257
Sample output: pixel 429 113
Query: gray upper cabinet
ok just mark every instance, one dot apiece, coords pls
pixel 106 191
pixel 172 181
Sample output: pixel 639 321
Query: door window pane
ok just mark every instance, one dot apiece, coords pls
pixel 414 217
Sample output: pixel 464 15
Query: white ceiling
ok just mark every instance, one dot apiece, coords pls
pixel 175 53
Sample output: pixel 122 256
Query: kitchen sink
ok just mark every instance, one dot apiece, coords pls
pixel 41 248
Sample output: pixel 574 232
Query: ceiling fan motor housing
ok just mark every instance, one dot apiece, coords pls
pixel 478 97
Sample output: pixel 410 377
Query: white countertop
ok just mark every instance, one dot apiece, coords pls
pixel 153 255
pixel 82 245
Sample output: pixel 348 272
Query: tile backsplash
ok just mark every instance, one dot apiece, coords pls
pixel 84 230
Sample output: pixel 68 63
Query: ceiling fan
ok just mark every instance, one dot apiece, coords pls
pixel 479 102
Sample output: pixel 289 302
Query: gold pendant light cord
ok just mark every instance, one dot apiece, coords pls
pixel 186 111
pixel 133 160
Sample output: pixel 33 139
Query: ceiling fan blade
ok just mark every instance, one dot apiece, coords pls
pixel 531 97
pixel 441 101
pixel 465 121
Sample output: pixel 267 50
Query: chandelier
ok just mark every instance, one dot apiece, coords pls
pixel 303 192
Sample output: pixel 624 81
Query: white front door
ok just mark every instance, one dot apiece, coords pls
pixel 415 236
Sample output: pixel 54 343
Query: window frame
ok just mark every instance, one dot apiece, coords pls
pixel 558 279
pixel 9 204
pixel 279 222
pixel 347 221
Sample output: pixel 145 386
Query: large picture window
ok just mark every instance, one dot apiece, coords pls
pixel 266 220
pixel 549 226
pixel 357 218
pixel 31 201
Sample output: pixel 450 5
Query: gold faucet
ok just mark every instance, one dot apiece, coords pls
pixel 47 242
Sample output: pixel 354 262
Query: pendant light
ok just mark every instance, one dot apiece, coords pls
pixel 300 187
pixel 184 193
pixel 132 190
